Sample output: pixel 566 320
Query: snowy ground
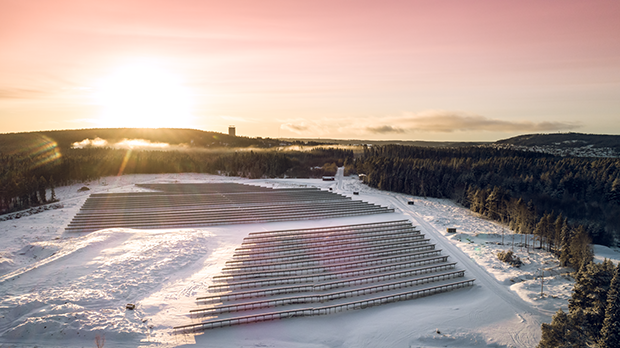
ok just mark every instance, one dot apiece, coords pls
pixel 62 289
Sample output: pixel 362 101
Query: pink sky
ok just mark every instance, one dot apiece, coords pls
pixel 429 70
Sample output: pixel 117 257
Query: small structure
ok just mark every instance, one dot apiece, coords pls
pixel 410 202
pixel 232 131
pixel 329 178
pixel 451 229
pixel 130 306
pixel 356 193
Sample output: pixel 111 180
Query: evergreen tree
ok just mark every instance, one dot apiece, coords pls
pixel 565 252
pixel 610 333
pixel 599 299
pixel 543 228
pixel 493 202
pixel 557 235
pixel 589 299
pixel 581 251
pixel 531 214
pixel 52 187
pixel 561 333
pixel 42 186
pixel 614 194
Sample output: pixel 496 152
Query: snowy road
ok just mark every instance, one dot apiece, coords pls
pixel 532 318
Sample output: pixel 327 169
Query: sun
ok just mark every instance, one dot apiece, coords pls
pixel 143 95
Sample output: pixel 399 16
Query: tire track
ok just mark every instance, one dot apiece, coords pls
pixel 530 316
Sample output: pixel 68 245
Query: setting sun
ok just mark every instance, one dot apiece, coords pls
pixel 143 95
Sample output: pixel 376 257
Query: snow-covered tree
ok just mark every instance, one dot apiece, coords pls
pixel 610 333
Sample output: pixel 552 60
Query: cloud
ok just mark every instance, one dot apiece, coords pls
pixel 441 121
pixel 384 129
pixel 295 128
pixel 313 127
pixel 21 93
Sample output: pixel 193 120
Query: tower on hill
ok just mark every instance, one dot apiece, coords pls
pixel 231 131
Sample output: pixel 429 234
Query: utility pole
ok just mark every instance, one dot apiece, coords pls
pixel 542 280
pixel 527 244
pixel 503 229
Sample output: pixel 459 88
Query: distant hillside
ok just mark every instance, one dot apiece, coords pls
pixel 565 144
pixel 389 142
pixel 188 137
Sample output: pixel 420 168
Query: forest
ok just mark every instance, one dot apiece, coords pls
pixel 563 201
pixel 558 199
pixel 28 177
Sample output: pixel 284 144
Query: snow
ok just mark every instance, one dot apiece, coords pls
pixel 602 252
pixel 62 289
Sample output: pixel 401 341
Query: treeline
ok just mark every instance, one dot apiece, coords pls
pixel 533 193
pixel 593 311
pixel 28 178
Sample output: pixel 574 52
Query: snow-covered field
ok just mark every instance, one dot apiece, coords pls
pixel 62 289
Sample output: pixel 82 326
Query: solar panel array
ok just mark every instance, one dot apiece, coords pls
pixel 199 205
pixel 283 274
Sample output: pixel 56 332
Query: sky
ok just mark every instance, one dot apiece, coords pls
pixel 445 70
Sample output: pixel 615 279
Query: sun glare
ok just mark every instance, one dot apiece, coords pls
pixel 143 95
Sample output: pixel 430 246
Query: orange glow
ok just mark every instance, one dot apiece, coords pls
pixel 124 164
pixel 143 95
pixel 43 152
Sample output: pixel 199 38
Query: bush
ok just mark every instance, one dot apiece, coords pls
pixel 509 257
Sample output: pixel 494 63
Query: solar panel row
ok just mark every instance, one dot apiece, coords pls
pixel 330 269
pixel 198 205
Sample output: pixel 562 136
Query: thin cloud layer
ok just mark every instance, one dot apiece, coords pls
pixel 442 121
pixel 21 93
pixel 384 129
pixel 300 126
pixel 447 122
pixel 295 128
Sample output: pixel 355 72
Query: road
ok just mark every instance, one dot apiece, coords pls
pixel 525 335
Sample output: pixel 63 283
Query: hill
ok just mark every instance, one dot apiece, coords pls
pixel 565 144
pixel 572 144
pixel 388 142
pixel 12 142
